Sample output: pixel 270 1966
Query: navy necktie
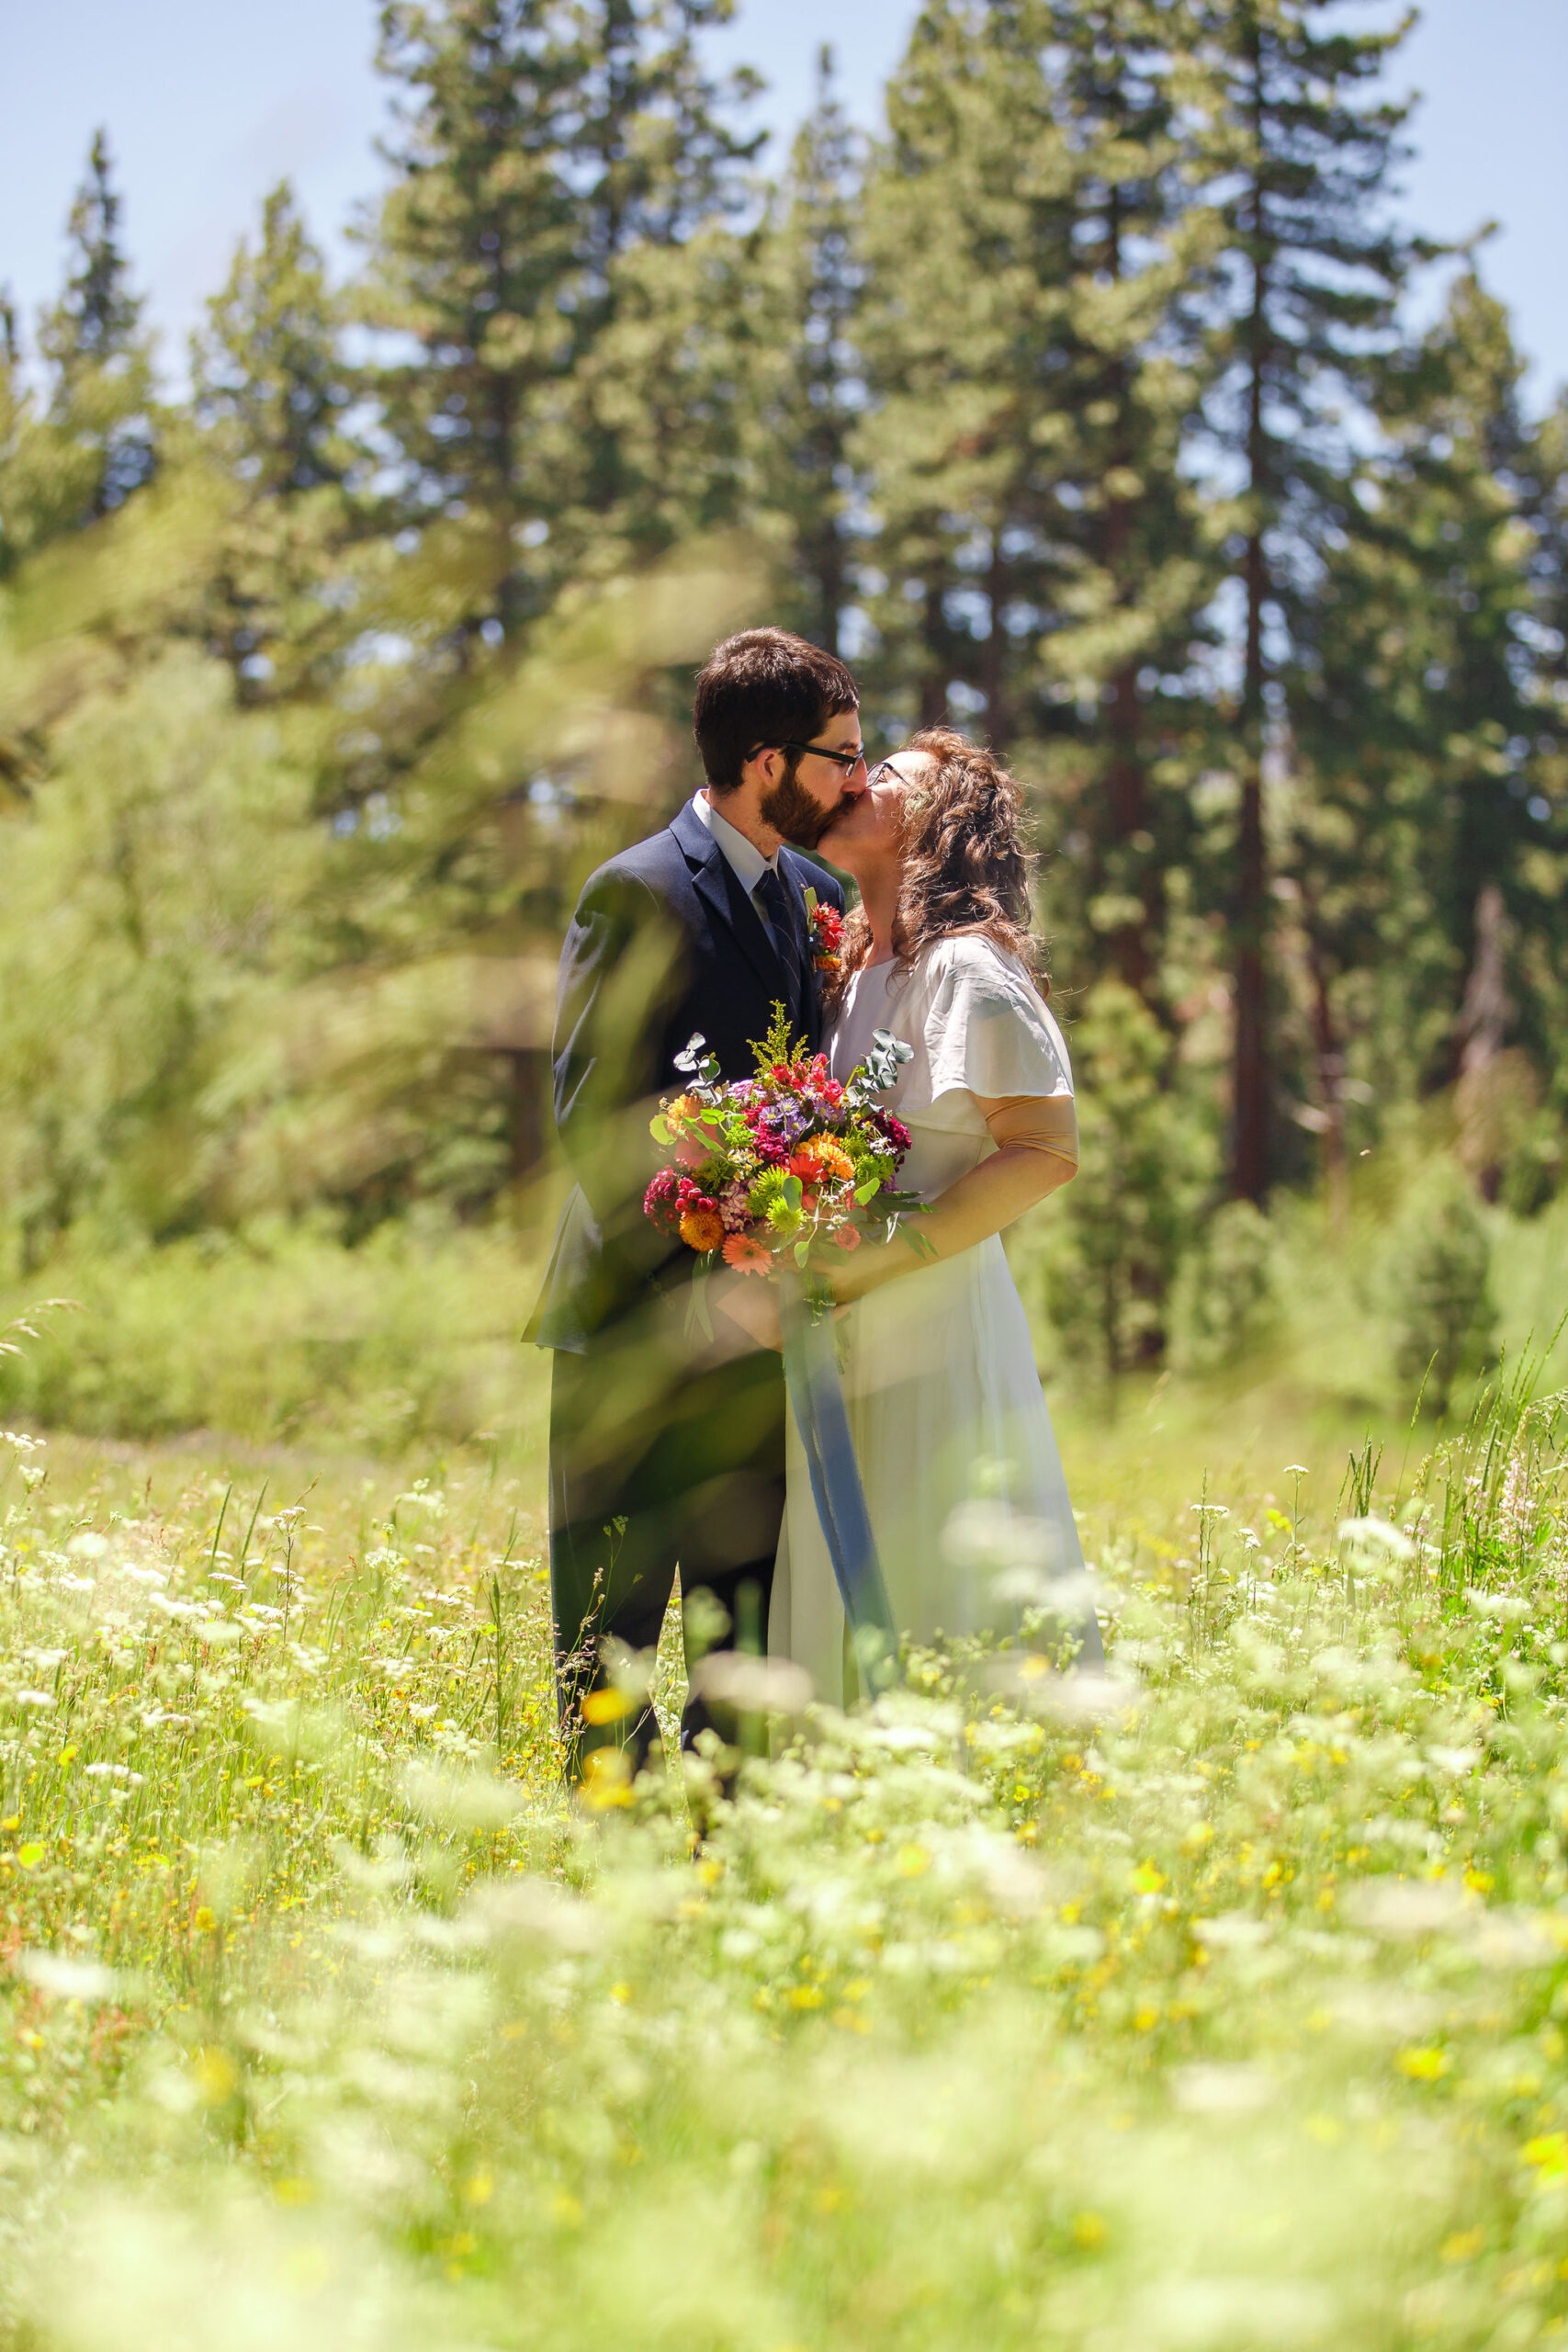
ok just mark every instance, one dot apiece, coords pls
pixel 787 938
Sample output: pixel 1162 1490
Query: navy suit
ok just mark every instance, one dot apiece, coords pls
pixel 661 1455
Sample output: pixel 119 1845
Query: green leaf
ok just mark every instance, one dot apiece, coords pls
pixel 658 1129
pixel 863 1192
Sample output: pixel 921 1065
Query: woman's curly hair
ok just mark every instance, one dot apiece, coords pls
pixel 965 865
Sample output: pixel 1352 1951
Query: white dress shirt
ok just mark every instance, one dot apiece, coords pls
pixel 744 859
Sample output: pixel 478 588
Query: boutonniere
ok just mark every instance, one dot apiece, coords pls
pixel 826 926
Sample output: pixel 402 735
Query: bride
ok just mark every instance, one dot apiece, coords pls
pixel 962 1480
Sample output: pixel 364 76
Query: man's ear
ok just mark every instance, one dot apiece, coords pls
pixel 768 766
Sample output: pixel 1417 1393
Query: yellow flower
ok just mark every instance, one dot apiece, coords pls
pixel 1424 2065
pixel 216 2074
pixel 607 1706
pixel 606 1779
pixel 1089 2230
pixel 1547 2154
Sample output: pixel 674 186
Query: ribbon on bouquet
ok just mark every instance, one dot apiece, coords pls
pixel 817 1395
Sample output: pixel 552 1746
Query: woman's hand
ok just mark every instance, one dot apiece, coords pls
pixel 1037 1152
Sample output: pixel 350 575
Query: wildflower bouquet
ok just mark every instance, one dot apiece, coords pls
pixel 784 1164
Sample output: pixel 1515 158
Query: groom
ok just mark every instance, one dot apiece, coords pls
pixel 667 1447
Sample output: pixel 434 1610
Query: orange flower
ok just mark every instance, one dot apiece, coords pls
pixel 820 1160
pixel 701 1229
pixel 748 1257
pixel 684 1107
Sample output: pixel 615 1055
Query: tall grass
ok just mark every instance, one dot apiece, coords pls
pixel 1219 2003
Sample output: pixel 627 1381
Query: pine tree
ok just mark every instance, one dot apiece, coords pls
pixel 1140 568
pixel 473 256
pixel 810 394
pixel 271 393
pixel 550 161
pixel 1415 846
pixel 651 417
pixel 101 359
pixel 1302 161
pixel 15 422
pixel 1031 231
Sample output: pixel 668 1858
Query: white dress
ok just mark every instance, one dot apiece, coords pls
pixel 962 1480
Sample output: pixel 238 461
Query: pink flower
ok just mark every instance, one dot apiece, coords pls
pixel 732 1208
pixel 848 1237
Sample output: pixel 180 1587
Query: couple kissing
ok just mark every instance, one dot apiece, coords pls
pixel 671 1447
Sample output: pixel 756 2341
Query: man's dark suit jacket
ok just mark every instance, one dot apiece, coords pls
pixel 665 941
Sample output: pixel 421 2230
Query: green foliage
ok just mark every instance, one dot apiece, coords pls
pixel 1435 1279
pixel 99 422
pixel 1225 1306
pixel 271 394
pixel 1131 1205
pixel 310 734
pixel 279 1330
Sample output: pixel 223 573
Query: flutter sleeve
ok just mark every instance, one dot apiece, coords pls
pixel 987 1031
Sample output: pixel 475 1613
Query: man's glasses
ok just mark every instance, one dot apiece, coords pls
pixel 848 760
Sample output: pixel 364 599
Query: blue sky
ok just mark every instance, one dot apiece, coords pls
pixel 210 101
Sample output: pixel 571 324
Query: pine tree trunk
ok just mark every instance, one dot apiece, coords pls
pixel 1127 806
pixel 1249 1165
pixel 993 659
pixel 1126 781
pixel 1330 1055
pixel 934 668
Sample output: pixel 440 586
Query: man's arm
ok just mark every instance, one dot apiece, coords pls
pixel 618 965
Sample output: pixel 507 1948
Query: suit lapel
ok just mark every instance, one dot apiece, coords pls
pixel 715 884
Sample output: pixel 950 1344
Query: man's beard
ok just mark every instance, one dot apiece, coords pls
pixel 790 810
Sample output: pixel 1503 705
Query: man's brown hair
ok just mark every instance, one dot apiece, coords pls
pixel 763 688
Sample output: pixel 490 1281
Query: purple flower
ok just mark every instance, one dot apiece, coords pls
pixel 784 1122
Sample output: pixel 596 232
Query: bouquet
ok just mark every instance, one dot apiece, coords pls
pixel 790 1163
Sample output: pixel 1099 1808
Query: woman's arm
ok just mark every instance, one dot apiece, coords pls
pixel 1037 1152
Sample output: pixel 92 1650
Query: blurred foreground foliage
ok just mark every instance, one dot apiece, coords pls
pixel 1080 409
pixel 1224 2000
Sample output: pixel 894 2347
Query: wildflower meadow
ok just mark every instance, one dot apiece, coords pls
pixel 1219 2000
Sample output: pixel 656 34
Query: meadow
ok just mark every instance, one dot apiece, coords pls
pixel 1223 2002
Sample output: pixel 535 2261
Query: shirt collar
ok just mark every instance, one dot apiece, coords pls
pixel 745 859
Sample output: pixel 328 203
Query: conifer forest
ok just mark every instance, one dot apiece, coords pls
pixel 1080 409
pixel 1099 403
